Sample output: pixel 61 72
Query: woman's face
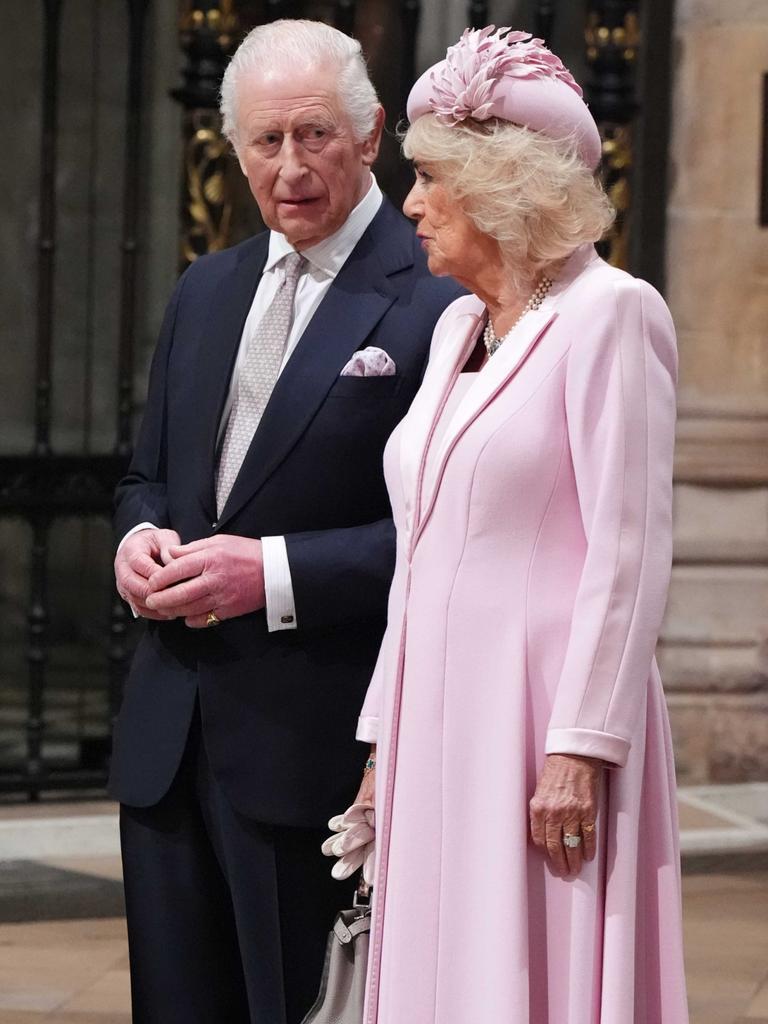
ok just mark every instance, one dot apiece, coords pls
pixel 452 242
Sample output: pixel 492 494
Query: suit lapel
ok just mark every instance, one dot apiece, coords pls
pixel 221 340
pixel 358 298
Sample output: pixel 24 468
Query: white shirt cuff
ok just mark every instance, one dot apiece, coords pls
pixel 367 729
pixel 135 529
pixel 278 586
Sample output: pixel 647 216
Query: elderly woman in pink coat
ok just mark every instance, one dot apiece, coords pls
pixel 527 867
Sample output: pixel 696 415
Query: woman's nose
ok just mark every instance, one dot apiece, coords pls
pixel 412 207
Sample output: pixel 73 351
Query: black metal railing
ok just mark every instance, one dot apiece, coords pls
pixel 44 487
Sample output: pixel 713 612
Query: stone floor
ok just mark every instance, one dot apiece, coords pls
pixel 75 971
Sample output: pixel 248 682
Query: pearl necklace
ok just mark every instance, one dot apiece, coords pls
pixel 490 340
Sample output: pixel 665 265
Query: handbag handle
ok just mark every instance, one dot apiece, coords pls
pixel 363 892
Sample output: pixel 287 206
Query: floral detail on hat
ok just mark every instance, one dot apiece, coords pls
pixel 464 85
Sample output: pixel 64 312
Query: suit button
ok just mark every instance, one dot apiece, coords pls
pixel 286 618
pixel 214 524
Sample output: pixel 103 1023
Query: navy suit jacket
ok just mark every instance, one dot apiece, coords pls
pixel 279 709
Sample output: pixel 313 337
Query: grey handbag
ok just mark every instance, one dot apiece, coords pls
pixel 342 988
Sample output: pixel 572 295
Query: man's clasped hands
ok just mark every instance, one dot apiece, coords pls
pixel 163 579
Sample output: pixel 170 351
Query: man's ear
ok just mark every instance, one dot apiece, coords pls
pixel 238 156
pixel 373 141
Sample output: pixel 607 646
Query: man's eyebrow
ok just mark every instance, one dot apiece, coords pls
pixel 319 121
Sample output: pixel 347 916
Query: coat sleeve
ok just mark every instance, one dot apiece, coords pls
pixel 370 713
pixel 141 496
pixel 620 412
pixel 341 576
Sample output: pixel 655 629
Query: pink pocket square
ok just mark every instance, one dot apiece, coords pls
pixel 369 362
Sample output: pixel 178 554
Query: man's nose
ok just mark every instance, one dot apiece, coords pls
pixel 292 165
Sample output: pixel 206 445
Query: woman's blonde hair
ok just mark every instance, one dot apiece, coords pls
pixel 531 193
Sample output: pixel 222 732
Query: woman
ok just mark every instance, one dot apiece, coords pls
pixel 527 858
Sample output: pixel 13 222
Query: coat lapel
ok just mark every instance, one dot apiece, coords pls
pixel 358 298
pixel 494 376
pixel 222 333
pixel 419 425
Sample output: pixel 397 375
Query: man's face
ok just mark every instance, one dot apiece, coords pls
pixel 297 148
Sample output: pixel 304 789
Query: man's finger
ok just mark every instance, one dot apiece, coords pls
pixel 194 608
pixel 199 621
pixel 141 564
pixel 147 613
pixel 178 569
pixel 180 596
pixel 179 550
pixel 165 553
pixel 133 588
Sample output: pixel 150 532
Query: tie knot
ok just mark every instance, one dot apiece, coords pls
pixel 293 265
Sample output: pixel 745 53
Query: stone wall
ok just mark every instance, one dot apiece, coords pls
pixel 714 650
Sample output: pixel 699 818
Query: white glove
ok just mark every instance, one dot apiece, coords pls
pixel 353 842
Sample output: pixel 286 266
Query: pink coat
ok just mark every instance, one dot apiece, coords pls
pixel 525 607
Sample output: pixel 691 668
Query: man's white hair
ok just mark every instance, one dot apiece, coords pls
pixel 303 44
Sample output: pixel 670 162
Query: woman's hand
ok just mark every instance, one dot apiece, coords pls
pixel 367 792
pixel 565 803
pixel 354 832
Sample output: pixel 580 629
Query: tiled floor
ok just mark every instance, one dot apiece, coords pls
pixel 76 972
pixel 726 942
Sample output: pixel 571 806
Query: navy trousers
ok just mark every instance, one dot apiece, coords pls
pixel 227 917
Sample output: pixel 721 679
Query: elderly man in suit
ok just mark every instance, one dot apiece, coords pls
pixel 258 543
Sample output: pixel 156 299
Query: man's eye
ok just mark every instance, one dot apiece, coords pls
pixel 314 135
pixel 270 139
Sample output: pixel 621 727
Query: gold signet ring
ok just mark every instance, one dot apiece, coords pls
pixel 213 619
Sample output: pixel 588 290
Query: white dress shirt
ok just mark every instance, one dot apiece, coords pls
pixel 324 261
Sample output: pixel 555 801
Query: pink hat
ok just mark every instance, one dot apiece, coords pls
pixel 512 76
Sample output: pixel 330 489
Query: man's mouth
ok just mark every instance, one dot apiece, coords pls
pixel 298 202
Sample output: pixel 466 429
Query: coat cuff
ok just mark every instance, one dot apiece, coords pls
pixel 367 729
pixel 588 743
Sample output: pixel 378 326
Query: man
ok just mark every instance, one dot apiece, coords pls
pixel 258 544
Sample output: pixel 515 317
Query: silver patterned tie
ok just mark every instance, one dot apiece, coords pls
pixel 258 374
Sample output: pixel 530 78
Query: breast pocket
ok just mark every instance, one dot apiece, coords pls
pixel 366 388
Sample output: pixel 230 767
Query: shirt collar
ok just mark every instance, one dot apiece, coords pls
pixel 330 255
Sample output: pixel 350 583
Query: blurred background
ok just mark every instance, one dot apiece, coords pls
pixel 115 177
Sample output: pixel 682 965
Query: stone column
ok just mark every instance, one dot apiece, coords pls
pixel 715 640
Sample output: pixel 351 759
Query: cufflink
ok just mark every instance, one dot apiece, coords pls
pixel 286 618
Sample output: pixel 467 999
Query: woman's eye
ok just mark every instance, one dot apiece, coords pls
pixel 423 176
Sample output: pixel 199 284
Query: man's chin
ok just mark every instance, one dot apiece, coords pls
pixel 301 229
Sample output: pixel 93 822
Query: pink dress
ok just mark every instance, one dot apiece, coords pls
pixel 533 558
